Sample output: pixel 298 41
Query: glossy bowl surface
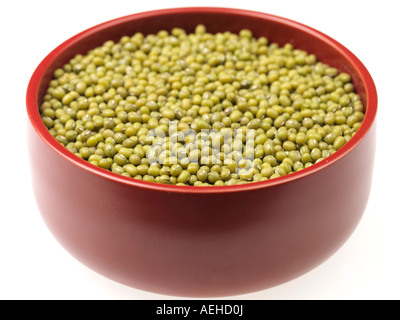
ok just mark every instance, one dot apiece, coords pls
pixel 202 241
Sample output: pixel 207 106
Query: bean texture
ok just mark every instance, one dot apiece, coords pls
pixel 200 109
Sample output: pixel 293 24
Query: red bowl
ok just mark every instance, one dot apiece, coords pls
pixel 202 241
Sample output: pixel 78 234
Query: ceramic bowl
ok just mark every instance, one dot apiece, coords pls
pixel 202 241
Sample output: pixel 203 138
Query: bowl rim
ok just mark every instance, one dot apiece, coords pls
pixel 37 124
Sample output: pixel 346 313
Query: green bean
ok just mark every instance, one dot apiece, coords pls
pixel 200 109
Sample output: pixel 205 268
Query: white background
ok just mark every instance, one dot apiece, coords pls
pixel 32 263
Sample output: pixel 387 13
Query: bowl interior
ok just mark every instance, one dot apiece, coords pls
pixel 276 29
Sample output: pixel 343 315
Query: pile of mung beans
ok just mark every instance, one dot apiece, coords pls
pixel 200 109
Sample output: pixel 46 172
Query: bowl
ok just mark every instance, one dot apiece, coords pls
pixel 202 241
